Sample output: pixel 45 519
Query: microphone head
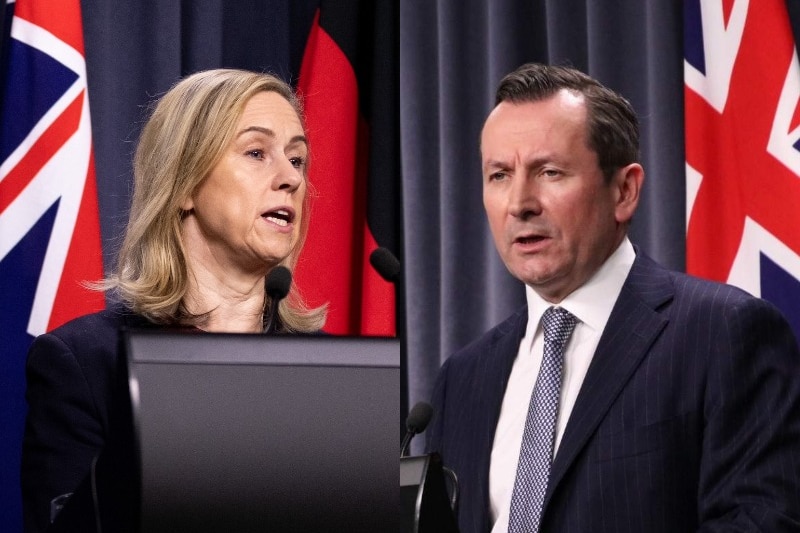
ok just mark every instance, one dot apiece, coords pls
pixel 278 282
pixel 386 264
pixel 418 417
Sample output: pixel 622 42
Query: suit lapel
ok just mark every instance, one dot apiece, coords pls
pixel 633 326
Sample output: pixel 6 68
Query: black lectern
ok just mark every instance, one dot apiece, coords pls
pixel 243 433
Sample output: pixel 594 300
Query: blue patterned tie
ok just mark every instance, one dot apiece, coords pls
pixel 536 453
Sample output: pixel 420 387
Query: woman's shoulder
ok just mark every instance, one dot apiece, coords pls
pixel 95 329
pixel 95 324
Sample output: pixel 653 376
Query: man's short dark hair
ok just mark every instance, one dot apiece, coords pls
pixel 613 129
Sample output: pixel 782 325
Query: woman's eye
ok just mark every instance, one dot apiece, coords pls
pixel 297 162
pixel 256 154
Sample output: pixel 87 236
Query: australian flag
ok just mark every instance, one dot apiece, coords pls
pixel 49 228
pixel 742 87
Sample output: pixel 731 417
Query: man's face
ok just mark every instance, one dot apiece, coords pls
pixel 553 217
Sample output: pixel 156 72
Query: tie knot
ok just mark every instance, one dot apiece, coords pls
pixel 558 324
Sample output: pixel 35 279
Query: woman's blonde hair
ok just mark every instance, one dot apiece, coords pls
pixel 186 135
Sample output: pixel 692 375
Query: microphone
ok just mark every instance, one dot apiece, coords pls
pixel 416 422
pixel 277 286
pixel 386 264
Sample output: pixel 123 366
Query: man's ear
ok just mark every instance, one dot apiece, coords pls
pixel 628 183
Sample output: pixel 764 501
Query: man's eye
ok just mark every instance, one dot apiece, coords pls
pixel 497 176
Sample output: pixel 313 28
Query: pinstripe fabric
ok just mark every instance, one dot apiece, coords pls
pixel 689 416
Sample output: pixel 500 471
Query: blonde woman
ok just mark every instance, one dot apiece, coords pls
pixel 220 199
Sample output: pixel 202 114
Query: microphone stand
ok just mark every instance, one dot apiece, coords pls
pixel 382 260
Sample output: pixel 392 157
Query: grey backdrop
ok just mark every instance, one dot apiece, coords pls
pixel 452 55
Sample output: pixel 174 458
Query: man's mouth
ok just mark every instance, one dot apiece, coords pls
pixel 529 239
pixel 280 217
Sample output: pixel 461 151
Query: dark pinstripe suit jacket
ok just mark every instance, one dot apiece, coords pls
pixel 688 418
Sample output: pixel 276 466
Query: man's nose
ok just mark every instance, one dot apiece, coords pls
pixel 523 197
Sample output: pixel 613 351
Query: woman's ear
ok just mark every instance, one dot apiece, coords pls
pixel 188 204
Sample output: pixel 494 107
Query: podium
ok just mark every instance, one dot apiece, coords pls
pixel 424 503
pixel 246 433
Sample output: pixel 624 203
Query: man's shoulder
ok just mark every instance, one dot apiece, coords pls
pixel 690 299
pixel 686 286
pixel 711 292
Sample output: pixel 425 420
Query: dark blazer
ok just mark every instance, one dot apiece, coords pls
pixel 71 375
pixel 688 418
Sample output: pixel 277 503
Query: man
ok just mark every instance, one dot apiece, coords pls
pixel 646 400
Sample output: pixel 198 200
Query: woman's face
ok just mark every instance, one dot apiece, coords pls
pixel 246 213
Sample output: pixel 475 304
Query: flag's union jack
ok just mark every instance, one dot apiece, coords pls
pixel 742 86
pixel 49 230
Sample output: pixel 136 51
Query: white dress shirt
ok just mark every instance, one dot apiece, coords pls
pixel 591 304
